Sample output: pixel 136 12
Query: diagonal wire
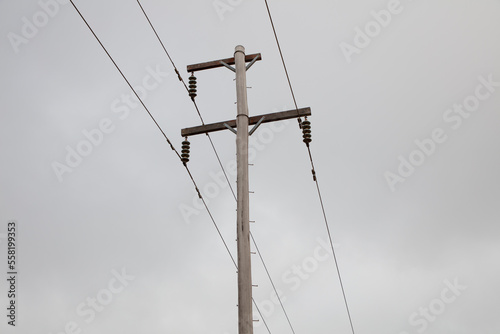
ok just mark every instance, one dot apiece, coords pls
pixel 331 243
pixel 171 146
pixel 128 82
pixel 283 60
pixel 220 163
pixel 157 125
pixel 269 275
pixel 185 86
pixel 315 178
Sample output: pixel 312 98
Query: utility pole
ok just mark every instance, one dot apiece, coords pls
pixel 245 317
pixel 241 123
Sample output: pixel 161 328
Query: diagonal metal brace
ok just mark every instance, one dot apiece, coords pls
pixel 228 66
pixel 230 128
pixel 252 62
pixel 256 126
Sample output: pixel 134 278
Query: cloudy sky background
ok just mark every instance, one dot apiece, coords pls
pixel 120 208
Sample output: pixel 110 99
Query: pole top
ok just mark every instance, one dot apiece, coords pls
pixel 239 48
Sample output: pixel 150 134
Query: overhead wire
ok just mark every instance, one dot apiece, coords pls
pixel 171 146
pixel 283 62
pixel 217 155
pixel 274 287
pixel 126 80
pixel 315 177
pixel 187 89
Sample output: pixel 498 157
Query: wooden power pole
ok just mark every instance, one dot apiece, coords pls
pixel 241 123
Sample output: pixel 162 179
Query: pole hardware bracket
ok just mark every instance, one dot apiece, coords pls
pixel 230 128
pixel 252 62
pixel 256 126
pixel 228 66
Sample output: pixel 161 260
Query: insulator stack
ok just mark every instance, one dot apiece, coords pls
pixel 192 87
pixel 185 151
pixel 306 132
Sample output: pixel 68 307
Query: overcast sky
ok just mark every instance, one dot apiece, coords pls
pixel 405 102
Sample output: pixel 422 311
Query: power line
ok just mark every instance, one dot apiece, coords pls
pixel 128 82
pixel 315 178
pixel 282 60
pixel 158 126
pixel 187 89
pixel 217 155
pixel 275 290
pixel 171 146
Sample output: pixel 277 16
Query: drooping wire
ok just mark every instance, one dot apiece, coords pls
pixel 171 146
pixel 227 248
pixel 128 82
pixel 283 61
pixel 275 290
pixel 187 89
pixel 331 245
pixel 217 155
pixel 315 178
